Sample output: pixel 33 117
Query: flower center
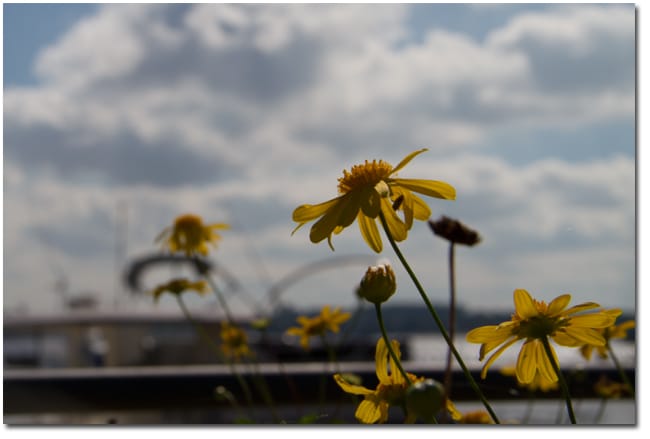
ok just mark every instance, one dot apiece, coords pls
pixel 540 326
pixel 368 174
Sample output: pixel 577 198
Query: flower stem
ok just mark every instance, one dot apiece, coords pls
pixel 563 385
pixel 621 372
pixel 452 319
pixel 434 314
pixel 202 332
pixel 395 358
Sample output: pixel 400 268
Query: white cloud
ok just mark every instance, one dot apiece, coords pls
pixel 242 112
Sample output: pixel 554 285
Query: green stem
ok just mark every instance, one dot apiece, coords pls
pixel 395 358
pixel 563 385
pixel 452 319
pixel 601 411
pixel 220 298
pixel 441 327
pixel 621 372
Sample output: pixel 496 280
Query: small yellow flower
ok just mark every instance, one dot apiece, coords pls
pixel 365 191
pixel 391 390
pixel 538 383
pixel 606 388
pixel 189 235
pixel 318 325
pixel 535 322
pixel 177 286
pixel 609 333
pixel 475 417
pixel 234 341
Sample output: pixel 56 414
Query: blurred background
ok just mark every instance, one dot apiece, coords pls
pixel 117 118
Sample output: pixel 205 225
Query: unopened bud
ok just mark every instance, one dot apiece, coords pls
pixel 425 398
pixel 378 284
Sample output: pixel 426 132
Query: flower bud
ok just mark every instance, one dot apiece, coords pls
pixel 425 398
pixel 378 284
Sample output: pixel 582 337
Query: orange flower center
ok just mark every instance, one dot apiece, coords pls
pixel 368 174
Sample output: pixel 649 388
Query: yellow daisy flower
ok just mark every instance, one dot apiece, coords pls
pixel 391 390
pixel 234 341
pixel 177 286
pixel 189 235
pixel 318 325
pixel 609 333
pixel 365 191
pixel 535 321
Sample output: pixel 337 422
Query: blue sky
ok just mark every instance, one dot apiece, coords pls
pixel 240 113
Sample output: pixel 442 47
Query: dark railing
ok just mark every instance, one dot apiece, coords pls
pixel 32 391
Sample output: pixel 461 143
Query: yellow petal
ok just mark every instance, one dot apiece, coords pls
pixel 496 355
pixel 406 160
pixel 596 320
pixel 308 212
pixel 431 188
pixel 580 307
pixel 369 232
pixel 396 375
pixel 585 335
pixel 396 227
pixel 558 304
pixel 544 363
pixel 351 388
pixel 369 411
pixel 526 362
pixel 524 305
pixel 324 227
pixel 381 354
pixel 561 338
pixel 369 202
pixel 421 210
pixel 488 333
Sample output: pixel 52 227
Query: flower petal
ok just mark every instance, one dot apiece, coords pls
pixel 431 188
pixel 396 227
pixel 381 354
pixel 369 411
pixel 580 307
pixel 544 365
pixel 558 304
pixel 524 305
pixel 351 388
pixel 585 335
pixel 369 232
pixel 421 210
pixel 395 374
pixel 369 202
pixel 527 362
pixel 324 227
pixel 596 320
pixel 406 160
pixel 308 212
pixel 496 355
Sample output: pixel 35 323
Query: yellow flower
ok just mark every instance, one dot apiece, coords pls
pixel 190 235
pixel 391 390
pixel 538 383
pixel 318 325
pixel 606 388
pixel 234 341
pixel 614 331
pixel 177 286
pixel 475 417
pixel 367 190
pixel 535 321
